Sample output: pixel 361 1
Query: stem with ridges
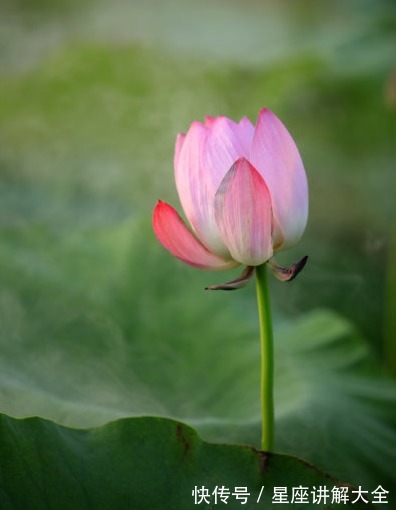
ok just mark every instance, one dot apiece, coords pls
pixel 267 359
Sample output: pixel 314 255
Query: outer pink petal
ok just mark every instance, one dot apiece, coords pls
pixel 207 153
pixel 244 215
pixel 174 235
pixel 192 186
pixel 276 157
pixel 178 146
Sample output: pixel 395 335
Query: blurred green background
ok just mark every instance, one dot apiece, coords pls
pixel 97 321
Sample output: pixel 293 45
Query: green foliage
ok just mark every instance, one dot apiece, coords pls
pixel 125 342
pixel 137 463
pixel 390 302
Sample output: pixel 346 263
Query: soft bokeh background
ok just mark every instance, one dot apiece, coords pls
pixel 97 321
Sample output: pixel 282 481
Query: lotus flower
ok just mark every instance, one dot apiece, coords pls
pixel 243 189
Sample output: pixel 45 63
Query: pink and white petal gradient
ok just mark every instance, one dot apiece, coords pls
pixel 202 158
pixel 178 146
pixel 275 155
pixel 174 235
pixel 243 214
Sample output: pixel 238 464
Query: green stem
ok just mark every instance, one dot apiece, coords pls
pixel 267 359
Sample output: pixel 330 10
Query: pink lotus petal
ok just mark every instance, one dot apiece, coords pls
pixel 178 146
pixel 174 235
pixel 275 155
pixel 207 154
pixel 226 142
pixel 192 186
pixel 246 132
pixel 244 215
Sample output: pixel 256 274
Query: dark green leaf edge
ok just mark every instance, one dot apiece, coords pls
pixel 137 463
